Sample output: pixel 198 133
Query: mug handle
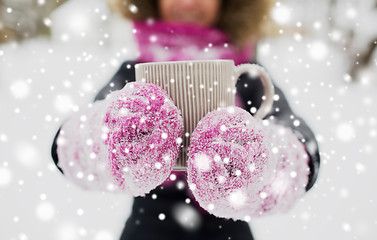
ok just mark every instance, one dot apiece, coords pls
pixel 258 71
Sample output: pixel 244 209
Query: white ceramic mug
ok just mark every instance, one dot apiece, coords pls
pixel 199 87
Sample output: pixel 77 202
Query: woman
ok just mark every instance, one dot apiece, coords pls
pixel 168 30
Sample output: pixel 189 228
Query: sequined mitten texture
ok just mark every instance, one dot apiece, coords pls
pixel 137 134
pixel 240 168
pixel 143 128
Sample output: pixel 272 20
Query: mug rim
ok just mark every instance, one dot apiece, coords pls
pixel 186 61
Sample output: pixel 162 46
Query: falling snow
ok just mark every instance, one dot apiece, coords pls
pixel 43 82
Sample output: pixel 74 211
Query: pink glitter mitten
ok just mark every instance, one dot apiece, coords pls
pixel 127 142
pixel 143 128
pixel 237 166
pixel 82 154
pixel 290 175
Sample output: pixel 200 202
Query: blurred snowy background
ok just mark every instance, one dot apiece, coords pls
pixel 323 56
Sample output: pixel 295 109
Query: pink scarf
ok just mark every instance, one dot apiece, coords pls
pixel 160 41
pixel 163 41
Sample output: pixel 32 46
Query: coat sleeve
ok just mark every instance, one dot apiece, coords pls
pixel 251 91
pixel 125 74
